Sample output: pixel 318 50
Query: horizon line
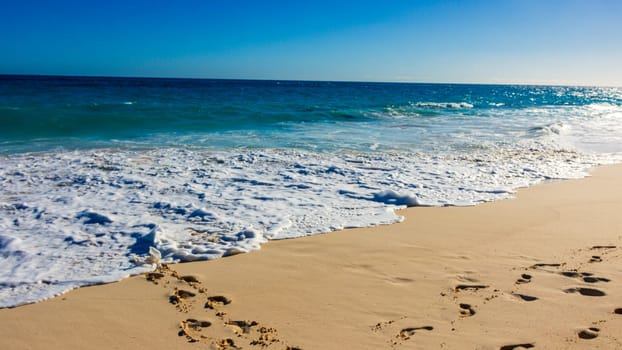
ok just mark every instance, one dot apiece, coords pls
pixel 300 80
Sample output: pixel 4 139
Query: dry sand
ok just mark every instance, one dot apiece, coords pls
pixel 542 271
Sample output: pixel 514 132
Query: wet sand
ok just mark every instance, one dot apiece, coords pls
pixel 541 271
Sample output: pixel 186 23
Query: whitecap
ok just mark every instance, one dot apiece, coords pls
pixel 451 105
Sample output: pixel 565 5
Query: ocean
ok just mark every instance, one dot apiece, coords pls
pixel 101 177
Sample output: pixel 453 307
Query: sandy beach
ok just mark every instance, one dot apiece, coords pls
pixel 543 271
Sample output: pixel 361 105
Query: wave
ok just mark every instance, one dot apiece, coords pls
pixel 447 105
pixel 550 129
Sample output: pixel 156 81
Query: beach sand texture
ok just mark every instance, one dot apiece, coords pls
pixel 541 271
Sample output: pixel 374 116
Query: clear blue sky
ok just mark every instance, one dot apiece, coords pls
pixel 501 41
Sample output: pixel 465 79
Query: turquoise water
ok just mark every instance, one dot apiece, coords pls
pixel 39 113
pixel 100 176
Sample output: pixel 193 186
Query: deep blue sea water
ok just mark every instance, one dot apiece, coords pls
pixel 82 112
pixel 99 176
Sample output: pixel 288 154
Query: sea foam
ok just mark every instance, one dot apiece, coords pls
pixel 70 219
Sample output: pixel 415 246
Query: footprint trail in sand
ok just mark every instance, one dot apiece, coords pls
pixel 190 297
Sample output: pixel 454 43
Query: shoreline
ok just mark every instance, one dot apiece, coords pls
pixel 525 271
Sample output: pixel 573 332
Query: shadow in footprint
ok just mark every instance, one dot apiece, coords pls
pixel 575 274
pixel 189 279
pixel 179 295
pixel 524 278
pixel 589 333
pixel 406 333
pixel 590 292
pixel 535 266
pixel 192 323
pixel 228 343
pixel 595 279
pixel 185 294
pixel 604 247
pixel 473 287
pixel 466 310
pixel 618 311
pixel 517 346
pixel 190 326
pixel 587 277
pixel 525 297
pixel 217 300
pixel 154 276
pixel 595 258
pixel 243 326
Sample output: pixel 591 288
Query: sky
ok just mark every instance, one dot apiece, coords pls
pixel 566 42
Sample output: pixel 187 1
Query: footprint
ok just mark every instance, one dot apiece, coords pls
pixel 180 294
pixel 406 333
pixel 525 297
pixel 589 333
pixel 466 310
pixel 190 279
pixel 586 276
pixel 190 328
pixel 381 325
pixel 524 278
pixel 574 274
pixel 401 280
pixel 590 292
pixel 517 346
pixel 242 326
pixel 535 266
pixel 154 276
pixel 463 278
pixel 267 336
pixel 604 247
pixel 196 324
pixel 595 279
pixel 217 300
pixel 618 311
pixel 184 294
pixel 186 300
pixel 226 344
pixel 473 287
pixel 595 258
